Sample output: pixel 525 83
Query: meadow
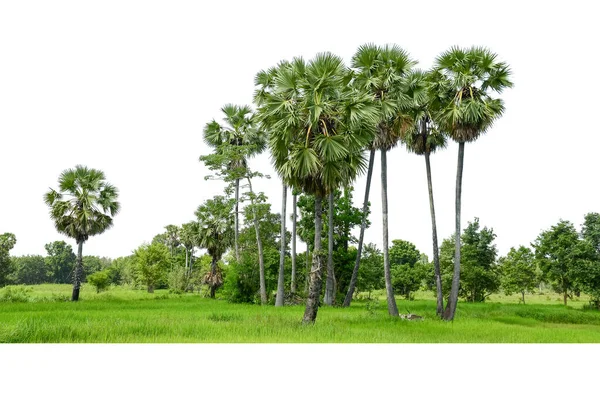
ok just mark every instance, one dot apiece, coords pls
pixel 123 315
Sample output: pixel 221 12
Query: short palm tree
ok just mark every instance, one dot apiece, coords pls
pixel 238 130
pixel 380 72
pixel 215 234
pixel 84 205
pixel 464 83
pixel 319 127
pixel 424 140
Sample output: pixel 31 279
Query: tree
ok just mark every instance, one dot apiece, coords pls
pixel 590 230
pixel 464 81
pixel 519 271
pixel 370 276
pixel 215 234
pixel 561 255
pixel 100 280
pixel 318 127
pixel 239 130
pixel 425 140
pixel 7 242
pixel 380 72
pixel 84 206
pixel 60 261
pixel 152 263
pixel 294 235
pixel 29 270
pixel 408 270
pixel 589 272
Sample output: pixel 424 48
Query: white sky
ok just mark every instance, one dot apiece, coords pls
pixel 126 87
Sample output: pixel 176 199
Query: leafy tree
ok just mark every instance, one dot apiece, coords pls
pixel 590 230
pixel 561 255
pixel 152 262
pixel 123 271
pixel 240 131
pixel 464 81
pixel 93 264
pixel 29 270
pixel 84 206
pixel 318 127
pixel 479 275
pixel 425 139
pixel 589 272
pixel 100 280
pixel 60 261
pixel 408 270
pixel 370 276
pixel 519 271
pixel 215 234
pixel 380 72
pixel 7 242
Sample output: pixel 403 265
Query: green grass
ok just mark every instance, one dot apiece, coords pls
pixel 123 315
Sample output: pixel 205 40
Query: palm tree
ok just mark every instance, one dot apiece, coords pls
pixel 380 71
pixel 238 131
pixel 294 233
pixel 215 234
pixel 465 80
pixel 424 140
pixel 84 205
pixel 319 126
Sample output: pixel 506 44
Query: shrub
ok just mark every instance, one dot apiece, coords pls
pixel 100 280
pixel 16 294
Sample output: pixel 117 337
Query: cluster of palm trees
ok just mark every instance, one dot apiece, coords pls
pixel 320 118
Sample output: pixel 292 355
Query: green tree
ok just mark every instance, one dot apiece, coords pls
pixel 60 261
pixel 590 230
pixel 239 130
pixel 370 276
pixel 215 234
pixel 152 262
pixel 465 80
pixel 100 280
pixel 562 256
pixel 7 242
pixel 93 264
pixel 84 206
pixel 408 270
pixel 380 72
pixel 519 271
pixel 425 139
pixel 589 272
pixel 29 270
pixel 318 127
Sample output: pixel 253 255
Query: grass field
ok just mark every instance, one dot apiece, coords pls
pixel 123 315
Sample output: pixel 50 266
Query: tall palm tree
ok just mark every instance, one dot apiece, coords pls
pixel 238 130
pixel 215 234
pixel 465 80
pixel 424 140
pixel 319 126
pixel 84 205
pixel 380 71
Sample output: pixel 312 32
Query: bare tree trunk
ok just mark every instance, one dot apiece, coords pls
pixel 565 295
pixel 523 295
pixel 294 217
pixel 307 280
pixel 391 300
pixel 150 288
pixel 361 237
pixel 280 280
pixel 237 221
pixel 78 272
pixel 261 264
pixel 315 282
pixel 329 285
pixel 436 254
pixel 453 299
pixel 213 272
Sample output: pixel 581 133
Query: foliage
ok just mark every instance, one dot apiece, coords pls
pixel 370 274
pixel 479 276
pixel 93 264
pixel 16 294
pixel 152 263
pixel 29 270
pixel 519 271
pixel 588 273
pixel 408 268
pixel 60 261
pixel 7 242
pixel 100 280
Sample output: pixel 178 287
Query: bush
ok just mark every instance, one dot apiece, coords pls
pixel 178 280
pixel 100 280
pixel 16 294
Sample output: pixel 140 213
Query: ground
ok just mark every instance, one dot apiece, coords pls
pixel 124 315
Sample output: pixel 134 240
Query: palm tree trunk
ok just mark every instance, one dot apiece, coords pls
pixel 261 264
pixel 78 272
pixel 453 299
pixel 294 217
pixel 391 300
pixel 280 281
pixel 436 254
pixel 329 283
pixel 314 286
pixel 361 237
pixel 236 220
pixel 213 272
